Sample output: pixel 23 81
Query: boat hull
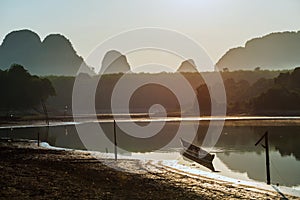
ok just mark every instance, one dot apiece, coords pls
pixel 197 154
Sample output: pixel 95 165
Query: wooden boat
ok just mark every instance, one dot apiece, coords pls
pixel 197 154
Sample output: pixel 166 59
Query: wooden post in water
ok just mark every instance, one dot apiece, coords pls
pixel 38 138
pixel 115 140
pixel 267 158
pixel 11 134
pixel 266 146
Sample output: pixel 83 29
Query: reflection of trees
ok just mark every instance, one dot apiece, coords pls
pixel 244 157
pixel 57 137
pixel 284 171
pixel 283 139
pixel 140 144
pixel 286 141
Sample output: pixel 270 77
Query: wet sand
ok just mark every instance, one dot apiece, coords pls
pixel 30 172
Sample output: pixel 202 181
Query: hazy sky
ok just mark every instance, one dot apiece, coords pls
pixel 217 25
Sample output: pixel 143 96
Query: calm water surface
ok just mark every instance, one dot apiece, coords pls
pixel 236 155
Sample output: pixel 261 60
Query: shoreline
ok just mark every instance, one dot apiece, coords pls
pixel 52 173
pixel 228 121
pixel 179 168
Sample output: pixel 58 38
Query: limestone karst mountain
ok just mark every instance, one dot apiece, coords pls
pixel 273 51
pixel 54 55
pixel 187 66
pixel 114 62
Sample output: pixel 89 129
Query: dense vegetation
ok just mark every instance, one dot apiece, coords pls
pixel 246 92
pixel 282 97
pixel 258 92
pixel 20 90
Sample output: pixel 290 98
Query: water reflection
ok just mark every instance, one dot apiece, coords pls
pixel 235 147
pixel 285 140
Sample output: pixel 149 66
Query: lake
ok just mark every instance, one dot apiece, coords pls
pixel 236 154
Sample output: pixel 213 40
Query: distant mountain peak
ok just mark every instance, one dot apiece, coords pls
pixel 54 55
pixel 57 39
pixel 187 66
pixel 279 50
pixel 14 37
pixel 114 62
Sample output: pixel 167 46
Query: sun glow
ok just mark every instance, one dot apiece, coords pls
pixel 155 60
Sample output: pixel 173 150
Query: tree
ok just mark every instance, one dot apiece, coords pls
pixel 225 69
pixel 283 96
pixel 257 69
pixel 22 90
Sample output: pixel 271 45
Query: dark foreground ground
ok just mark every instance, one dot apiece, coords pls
pixel 37 173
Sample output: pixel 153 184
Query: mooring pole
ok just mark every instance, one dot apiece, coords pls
pixel 38 138
pixel 115 140
pixel 11 134
pixel 266 146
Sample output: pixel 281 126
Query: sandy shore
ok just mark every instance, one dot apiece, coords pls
pixel 29 172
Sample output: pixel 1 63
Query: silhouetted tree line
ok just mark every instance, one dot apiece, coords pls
pixel 275 96
pixel 21 90
pixel 248 92
pixel 283 96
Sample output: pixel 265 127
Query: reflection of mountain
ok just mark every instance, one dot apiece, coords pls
pixel 114 62
pixel 54 55
pixel 273 51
